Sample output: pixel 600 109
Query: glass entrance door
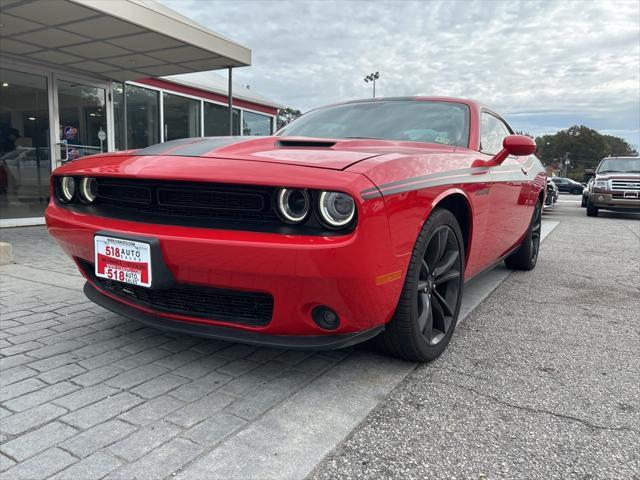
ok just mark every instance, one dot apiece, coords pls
pixel 25 156
pixel 82 117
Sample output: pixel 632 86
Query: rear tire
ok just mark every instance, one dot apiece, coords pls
pixel 576 191
pixel 592 210
pixel 526 256
pixel 429 304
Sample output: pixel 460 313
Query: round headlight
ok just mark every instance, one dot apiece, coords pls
pixel 67 189
pixel 336 209
pixel 293 205
pixel 87 189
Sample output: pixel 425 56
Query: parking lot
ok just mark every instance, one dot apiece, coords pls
pixel 541 381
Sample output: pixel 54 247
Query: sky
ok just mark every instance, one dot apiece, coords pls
pixel 543 65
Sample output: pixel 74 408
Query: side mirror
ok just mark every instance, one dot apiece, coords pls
pixel 589 173
pixel 519 145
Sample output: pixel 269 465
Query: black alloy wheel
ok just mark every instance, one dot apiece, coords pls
pixel 536 230
pixel 429 303
pixel 438 285
pixel 526 256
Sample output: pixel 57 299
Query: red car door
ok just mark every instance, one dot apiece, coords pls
pixel 510 188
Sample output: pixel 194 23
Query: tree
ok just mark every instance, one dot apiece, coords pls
pixel 526 134
pixel 287 115
pixel 585 148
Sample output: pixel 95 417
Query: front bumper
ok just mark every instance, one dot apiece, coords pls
pixel 309 342
pixel 356 275
pixel 614 202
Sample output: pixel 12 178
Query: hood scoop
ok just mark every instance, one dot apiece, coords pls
pixel 306 143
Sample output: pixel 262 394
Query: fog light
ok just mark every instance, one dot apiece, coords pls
pixel 325 318
pixel 600 197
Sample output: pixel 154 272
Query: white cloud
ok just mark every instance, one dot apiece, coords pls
pixel 557 63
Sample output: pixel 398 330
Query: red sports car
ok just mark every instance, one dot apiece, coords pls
pixel 357 220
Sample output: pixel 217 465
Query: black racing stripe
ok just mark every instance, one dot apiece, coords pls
pixel 160 148
pixel 432 176
pixel 207 145
pixel 190 147
pixel 502 173
pixel 434 183
pixel 370 194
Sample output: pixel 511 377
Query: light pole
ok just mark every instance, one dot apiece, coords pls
pixel 372 77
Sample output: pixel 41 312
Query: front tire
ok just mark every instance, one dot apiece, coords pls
pixel 592 210
pixel 584 202
pixel 429 304
pixel 526 256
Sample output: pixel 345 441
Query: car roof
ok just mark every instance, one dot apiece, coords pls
pixel 466 101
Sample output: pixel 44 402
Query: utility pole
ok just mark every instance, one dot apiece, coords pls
pixel 565 164
pixel 372 77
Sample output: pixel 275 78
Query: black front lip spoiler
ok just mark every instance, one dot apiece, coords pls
pixel 310 342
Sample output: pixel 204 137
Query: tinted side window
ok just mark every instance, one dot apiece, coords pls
pixel 492 133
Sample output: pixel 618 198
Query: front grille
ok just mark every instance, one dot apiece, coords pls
pixel 249 308
pixel 180 203
pixel 626 185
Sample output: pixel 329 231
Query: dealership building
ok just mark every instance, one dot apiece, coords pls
pixel 79 77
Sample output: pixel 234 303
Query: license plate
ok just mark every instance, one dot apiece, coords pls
pixel 630 194
pixel 122 260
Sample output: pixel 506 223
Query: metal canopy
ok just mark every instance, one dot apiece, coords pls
pixel 118 39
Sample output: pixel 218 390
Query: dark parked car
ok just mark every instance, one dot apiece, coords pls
pixel 552 194
pixel 568 185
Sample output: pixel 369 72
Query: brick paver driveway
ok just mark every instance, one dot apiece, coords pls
pixel 87 393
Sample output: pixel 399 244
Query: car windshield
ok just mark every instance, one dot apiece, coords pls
pixel 620 165
pixel 414 121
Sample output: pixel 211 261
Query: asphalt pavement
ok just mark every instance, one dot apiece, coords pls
pixel 540 381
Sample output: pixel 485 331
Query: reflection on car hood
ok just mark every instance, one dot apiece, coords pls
pixel 334 154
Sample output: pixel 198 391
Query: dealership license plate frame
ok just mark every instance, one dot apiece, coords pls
pixel 143 268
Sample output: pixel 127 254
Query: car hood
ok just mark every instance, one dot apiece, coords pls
pixel 618 176
pixel 334 154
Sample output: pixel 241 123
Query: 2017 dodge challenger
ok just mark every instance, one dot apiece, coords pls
pixel 355 221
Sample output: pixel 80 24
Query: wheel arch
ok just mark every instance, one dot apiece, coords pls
pixel 457 202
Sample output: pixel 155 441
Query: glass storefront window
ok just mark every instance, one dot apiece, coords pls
pixel 181 117
pixel 25 156
pixel 83 119
pixel 136 120
pixel 216 120
pixel 142 122
pixel 255 124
